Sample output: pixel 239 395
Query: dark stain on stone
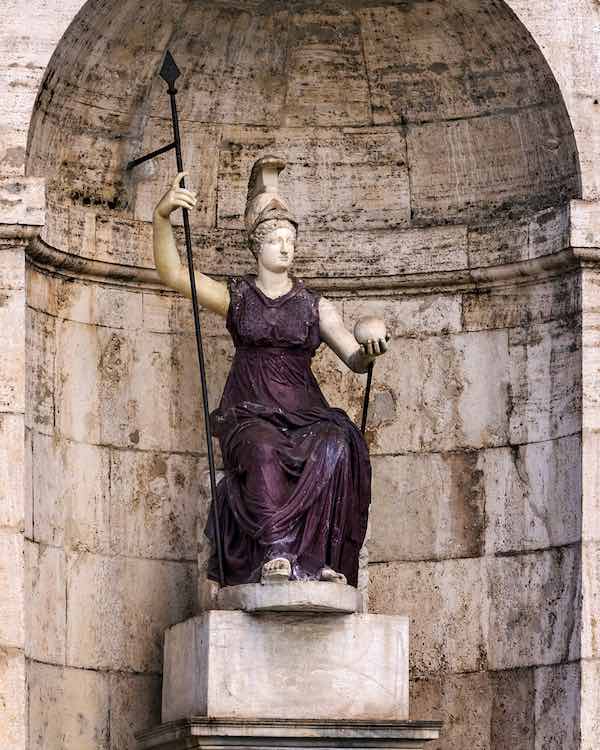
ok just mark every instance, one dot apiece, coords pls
pixel 467 495
pixel 134 437
pixel 438 67
pixel 14 156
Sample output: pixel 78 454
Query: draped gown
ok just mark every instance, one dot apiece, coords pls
pixel 297 479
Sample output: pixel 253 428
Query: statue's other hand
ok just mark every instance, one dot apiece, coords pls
pixel 376 347
pixel 372 335
pixel 175 197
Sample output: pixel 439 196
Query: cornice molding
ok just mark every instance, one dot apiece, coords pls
pixel 52 260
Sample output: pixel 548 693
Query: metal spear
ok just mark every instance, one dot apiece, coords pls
pixel 169 72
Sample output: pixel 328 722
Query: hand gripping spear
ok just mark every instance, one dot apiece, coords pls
pixel 169 72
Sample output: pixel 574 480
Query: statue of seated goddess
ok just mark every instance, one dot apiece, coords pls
pixel 294 499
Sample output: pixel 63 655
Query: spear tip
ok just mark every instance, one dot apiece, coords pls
pixel 169 71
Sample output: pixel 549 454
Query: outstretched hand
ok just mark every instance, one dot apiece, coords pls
pixel 175 197
pixel 376 347
pixel 372 335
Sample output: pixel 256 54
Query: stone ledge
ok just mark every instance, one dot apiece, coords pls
pixel 200 732
pixel 295 596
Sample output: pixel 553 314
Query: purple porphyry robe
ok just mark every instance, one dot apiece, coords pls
pixel 297 478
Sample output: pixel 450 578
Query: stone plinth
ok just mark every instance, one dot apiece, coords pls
pixel 296 596
pixel 286 666
pixel 271 733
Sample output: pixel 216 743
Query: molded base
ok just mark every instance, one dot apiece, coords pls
pixel 256 734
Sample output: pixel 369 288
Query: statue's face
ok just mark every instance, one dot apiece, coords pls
pixel 276 251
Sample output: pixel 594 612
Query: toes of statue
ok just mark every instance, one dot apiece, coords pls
pixel 332 576
pixel 277 570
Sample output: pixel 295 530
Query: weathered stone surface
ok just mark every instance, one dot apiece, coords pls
pixel 40 373
pixel 442 393
pixel 134 707
pixel 591 486
pixel 22 200
pixel 534 608
pixel 46 611
pixel 585 229
pixel 557 710
pixel 590 606
pixel 455 75
pixel 466 721
pixel 427 506
pixel 326 180
pixel 71 503
pixel 295 596
pixel 289 666
pixel 523 305
pixel 41 294
pixel 409 316
pixel 12 269
pixel 457 169
pixel 13 698
pixel 200 153
pixel 99 305
pixel 118 608
pixel 154 500
pixel 481 710
pixel 532 495
pixel 28 485
pixel 545 381
pixel 253 89
pixel 141 390
pixel 590 704
pixel 68 708
pixel 12 586
pixel 446 602
pixel 325 45
pixel 549 231
pixel 512 721
pixel 171 313
pixel 12 340
pixel 493 244
pixel 12 471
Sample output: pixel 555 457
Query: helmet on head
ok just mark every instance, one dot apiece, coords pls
pixel 264 203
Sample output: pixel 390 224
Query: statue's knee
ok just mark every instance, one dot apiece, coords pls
pixel 261 452
pixel 337 443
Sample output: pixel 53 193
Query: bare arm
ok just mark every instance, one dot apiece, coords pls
pixel 335 334
pixel 211 294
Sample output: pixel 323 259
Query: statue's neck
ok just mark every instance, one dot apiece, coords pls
pixel 273 283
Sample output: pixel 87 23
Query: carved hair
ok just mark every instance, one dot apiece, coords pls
pixel 265 228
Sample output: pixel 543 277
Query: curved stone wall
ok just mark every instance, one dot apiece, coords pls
pixel 431 163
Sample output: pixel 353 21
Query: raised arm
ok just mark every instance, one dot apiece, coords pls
pixel 211 294
pixel 357 355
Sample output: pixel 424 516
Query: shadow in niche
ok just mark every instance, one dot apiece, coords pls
pixel 426 141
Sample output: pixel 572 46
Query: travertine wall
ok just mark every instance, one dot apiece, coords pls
pixel 432 161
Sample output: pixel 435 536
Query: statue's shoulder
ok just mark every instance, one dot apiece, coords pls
pixel 237 285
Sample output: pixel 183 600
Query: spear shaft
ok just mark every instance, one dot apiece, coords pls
pixel 367 396
pixel 170 77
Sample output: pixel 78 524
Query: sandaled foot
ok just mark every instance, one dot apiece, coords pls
pixel 277 570
pixel 332 576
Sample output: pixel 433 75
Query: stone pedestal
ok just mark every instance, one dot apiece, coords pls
pixel 298 667
pixel 286 666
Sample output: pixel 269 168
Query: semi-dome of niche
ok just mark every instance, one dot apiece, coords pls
pixel 393 116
